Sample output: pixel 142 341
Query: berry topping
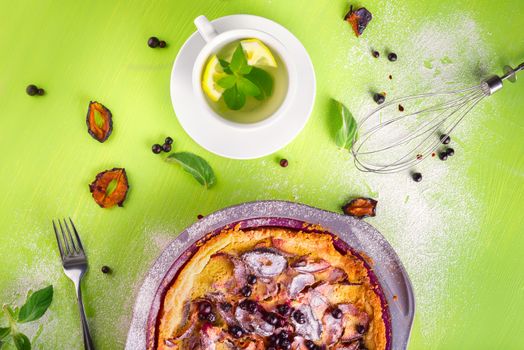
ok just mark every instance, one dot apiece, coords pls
pixel 392 57
pixel 204 307
pixel 450 152
pixel 270 318
pixel 106 269
pixel 168 140
pixel 251 279
pixel 236 331
pixel 337 313
pixel 299 317
pixel 211 317
pixel 360 329
pixel 283 309
pixel 166 147
pixel 246 291
pixel 226 306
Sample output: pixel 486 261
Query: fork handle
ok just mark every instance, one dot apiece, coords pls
pixel 88 342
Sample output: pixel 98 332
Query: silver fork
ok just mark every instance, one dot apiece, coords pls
pixel 74 261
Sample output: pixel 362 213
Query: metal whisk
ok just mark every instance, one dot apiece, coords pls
pixel 401 133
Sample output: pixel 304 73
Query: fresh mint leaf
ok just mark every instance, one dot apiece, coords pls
pixel 21 341
pixel 234 98
pixel 263 80
pixel 225 66
pixel 247 87
pixel 4 332
pixel 227 82
pixel 238 61
pixel 346 133
pixel 245 70
pixel 36 305
pixel 196 166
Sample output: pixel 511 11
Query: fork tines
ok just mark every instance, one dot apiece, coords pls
pixel 68 244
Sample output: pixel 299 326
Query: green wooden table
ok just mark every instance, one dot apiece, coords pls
pixel 459 232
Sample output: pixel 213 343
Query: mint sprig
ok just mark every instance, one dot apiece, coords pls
pixel 348 127
pixel 34 307
pixel 243 80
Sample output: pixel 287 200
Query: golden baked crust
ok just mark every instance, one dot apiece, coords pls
pixel 210 275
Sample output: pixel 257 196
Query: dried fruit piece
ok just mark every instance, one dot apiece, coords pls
pixel 360 207
pixel 99 121
pixel 358 19
pixel 110 188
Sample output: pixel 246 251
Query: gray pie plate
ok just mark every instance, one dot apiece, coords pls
pixel 357 236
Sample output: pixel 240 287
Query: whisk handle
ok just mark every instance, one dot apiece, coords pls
pixel 494 83
pixel 511 73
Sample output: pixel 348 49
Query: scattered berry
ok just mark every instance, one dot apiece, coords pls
pixel 153 42
pixel 106 269
pixel 200 216
pixel 375 54
pixel 450 152
pixel 156 148
pixel 445 139
pixel 401 108
pixel 251 279
pixel 337 313
pixel 246 291
pixel 166 147
pixel 202 316
pixel 360 329
pixel 392 57
pixel 31 90
pixel 236 331
pixel 162 44
pixel 443 155
pixel 379 98
pixel 417 177
pixel 41 91
pixel 390 77
pixel 284 163
pixel 168 141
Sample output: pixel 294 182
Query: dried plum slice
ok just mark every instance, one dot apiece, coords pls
pixel 99 121
pixel 110 188
pixel 359 19
pixel 360 207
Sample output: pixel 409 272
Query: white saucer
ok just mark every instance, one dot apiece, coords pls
pixel 230 141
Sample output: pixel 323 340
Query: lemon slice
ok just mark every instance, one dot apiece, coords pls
pixel 257 53
pixel 213 73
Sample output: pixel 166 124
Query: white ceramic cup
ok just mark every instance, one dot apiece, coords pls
pixel 216 41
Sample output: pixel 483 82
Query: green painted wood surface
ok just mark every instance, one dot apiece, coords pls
pixel 459 232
